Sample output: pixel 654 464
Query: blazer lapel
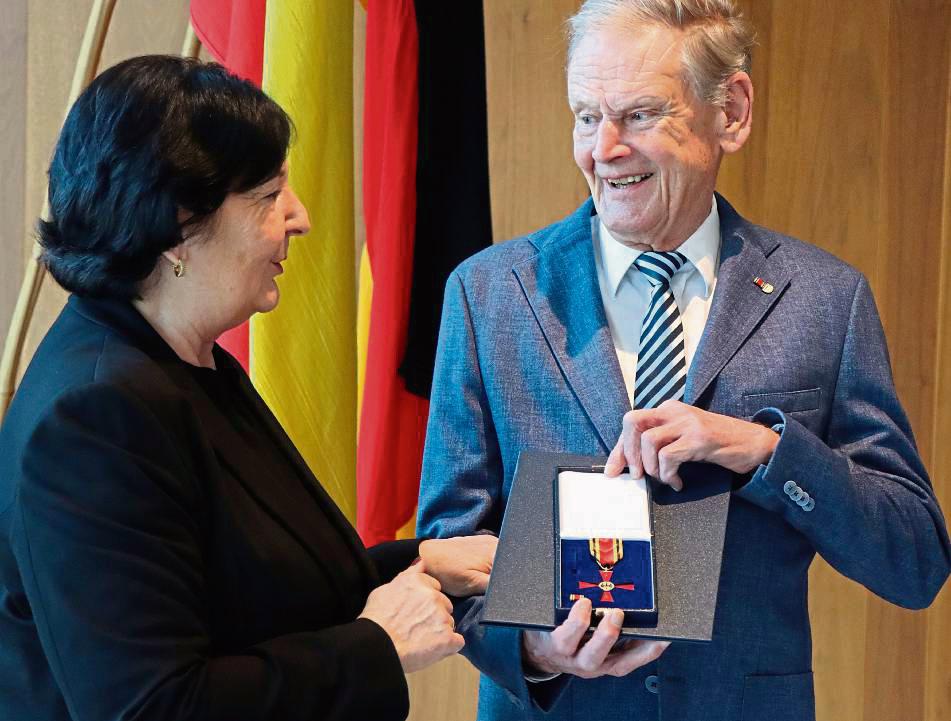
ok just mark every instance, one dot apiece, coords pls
pixel 284 504
pixel 561 286
pixel 739 304
pixel 304 522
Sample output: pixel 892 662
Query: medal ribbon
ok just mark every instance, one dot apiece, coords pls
pixel 606 551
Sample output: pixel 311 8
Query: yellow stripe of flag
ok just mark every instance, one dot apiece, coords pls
pixel 364 305
pixel 303 354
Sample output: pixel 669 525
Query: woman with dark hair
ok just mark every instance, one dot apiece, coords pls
pixel 165 553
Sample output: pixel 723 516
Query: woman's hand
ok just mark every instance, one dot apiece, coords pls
pixel 461 565
pixel 416 616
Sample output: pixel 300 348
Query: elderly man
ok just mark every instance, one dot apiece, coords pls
pixel 657 325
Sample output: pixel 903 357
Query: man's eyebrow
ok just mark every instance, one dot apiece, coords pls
pixel 580 103
pixel 654 102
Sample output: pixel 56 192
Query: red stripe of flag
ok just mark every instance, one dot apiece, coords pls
pixel 392 420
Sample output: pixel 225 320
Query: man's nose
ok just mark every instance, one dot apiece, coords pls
pixel 608 144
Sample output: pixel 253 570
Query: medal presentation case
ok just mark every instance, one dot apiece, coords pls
pixel 542 559
pixel 604 547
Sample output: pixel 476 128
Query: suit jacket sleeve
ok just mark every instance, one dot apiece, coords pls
pixel 461 489
pixel 392 557
pixel 875 519
pixel 108 539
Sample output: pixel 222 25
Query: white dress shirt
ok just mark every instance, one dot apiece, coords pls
pixel 626 292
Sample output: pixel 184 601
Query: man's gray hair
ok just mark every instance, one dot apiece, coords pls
pixel 719 40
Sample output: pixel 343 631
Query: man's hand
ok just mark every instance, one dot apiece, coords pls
pixel 461 565
pixel 656 441
pixel 562 650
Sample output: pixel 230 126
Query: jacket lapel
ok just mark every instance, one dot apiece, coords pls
pixel 561 286
pixel 738 303
pixel 284 507
pixel 304 524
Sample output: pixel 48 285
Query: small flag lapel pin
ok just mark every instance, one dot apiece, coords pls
pixel 763 285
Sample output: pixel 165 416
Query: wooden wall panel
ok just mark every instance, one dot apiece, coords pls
pixel 534 180
pixel 911 147
pixel 13 50
pixel 938 658
pixel 447 691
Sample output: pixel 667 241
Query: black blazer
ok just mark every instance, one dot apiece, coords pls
pixel 165 557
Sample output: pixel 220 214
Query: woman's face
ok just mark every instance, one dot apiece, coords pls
pixel 238 259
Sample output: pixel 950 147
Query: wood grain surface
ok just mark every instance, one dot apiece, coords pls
pixel 13 50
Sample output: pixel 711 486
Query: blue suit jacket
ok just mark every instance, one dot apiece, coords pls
pixel 526 361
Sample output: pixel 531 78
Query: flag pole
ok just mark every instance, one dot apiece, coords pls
pixel 191 46
pixel 90 53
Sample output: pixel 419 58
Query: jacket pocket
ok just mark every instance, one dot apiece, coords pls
pixel 787 402
pixel 789 697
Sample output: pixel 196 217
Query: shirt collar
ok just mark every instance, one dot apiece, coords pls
pixel 701 249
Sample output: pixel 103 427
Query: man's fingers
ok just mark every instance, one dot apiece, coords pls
pixel 631 442
pixel 479 582
pixel 653 440
pixel 635 655
pixel 566 637
pixel 592 655
pixel 615 462
pixel 636 424
pixel 669 459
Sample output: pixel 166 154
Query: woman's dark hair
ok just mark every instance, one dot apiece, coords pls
pixel 152 139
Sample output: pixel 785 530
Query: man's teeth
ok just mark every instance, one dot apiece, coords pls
pixel 629 180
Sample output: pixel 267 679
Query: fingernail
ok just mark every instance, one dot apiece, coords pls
pixel 617 617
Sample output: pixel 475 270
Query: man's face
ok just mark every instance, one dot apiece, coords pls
pixel 647 146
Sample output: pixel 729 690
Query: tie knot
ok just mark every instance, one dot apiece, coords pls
pixel 659 267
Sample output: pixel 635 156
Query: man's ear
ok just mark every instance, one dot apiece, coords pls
pixel 736 115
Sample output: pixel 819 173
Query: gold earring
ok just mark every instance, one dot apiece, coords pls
pixel 178 268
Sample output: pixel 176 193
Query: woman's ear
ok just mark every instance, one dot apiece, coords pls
pixel 176 254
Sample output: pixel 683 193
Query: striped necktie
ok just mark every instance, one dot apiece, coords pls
pixel 661 359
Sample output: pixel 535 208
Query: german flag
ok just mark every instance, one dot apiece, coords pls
pixel 426 205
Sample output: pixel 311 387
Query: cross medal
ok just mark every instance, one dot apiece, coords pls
pixel 606 553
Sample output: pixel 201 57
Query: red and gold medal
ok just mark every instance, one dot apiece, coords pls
pixel 607 552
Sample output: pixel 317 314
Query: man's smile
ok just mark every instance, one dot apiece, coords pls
pixel 628 180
